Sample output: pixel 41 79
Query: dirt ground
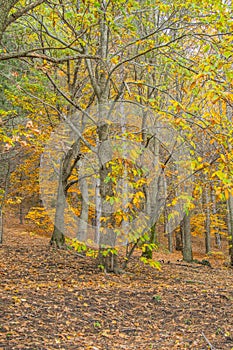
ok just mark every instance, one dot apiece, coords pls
pixel 57 300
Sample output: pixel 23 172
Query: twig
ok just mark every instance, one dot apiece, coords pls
pixel 193 281
pixel 131 330
pixel 208 342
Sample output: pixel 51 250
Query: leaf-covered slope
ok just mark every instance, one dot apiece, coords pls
pixel 58 300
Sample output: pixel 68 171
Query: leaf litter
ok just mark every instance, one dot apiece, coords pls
pixel 57 300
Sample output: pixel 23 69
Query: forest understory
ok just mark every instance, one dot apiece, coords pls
pixel 58 300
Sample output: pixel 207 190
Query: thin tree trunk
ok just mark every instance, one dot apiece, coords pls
pixel 167 229
pixel 186 238
pixel 229 111
pixel 230 226
pixel 206 204
pixel 152 202
pixel 21 213
pixel 214 212
pixel 58 237
pixel 1 226
pixel 98 214
pixel 7 177
pixel 178 237
pixel 82 230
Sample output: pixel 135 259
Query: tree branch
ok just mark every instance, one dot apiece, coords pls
pixel 21 12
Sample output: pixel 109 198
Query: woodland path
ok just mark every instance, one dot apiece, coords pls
pixel 58 300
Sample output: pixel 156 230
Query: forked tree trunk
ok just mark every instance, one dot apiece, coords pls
pixel 67 164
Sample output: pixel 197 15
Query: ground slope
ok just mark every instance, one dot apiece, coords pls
pixel 58 300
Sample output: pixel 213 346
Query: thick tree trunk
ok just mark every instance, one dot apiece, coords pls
pixel 66 166
pixel 186 238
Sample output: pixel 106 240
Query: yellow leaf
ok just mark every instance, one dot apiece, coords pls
pixel 115 60
pixel 192 85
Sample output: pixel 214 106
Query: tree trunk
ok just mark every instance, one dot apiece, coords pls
pixel 229 113
pixel 108 260
pixel 1 226
pixel 67 164
pixel 148 253
pixel 206 205
pixel 82 229
pixel 21 213
pixel 178 236
pixel 58 237
pixel 153 203
pixel 214 212
pixel 230 226
pixel 186 238
pixel 168 232
pixel 7 177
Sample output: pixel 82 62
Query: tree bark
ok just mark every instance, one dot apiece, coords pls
pixel 66 167
pixel 6 6
pixel 186 239
pixel 58 237
pixel 1 226
pixel 178 238
pixel 214 212
pixel 82 229
pixel 230 226
pixel 206 204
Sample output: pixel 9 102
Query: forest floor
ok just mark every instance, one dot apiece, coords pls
pixel 57 300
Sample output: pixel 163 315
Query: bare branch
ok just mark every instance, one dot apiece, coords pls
pixel 145 52
pixel 32 54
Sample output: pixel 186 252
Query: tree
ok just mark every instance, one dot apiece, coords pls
pixel 9 13
pixel 162 58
